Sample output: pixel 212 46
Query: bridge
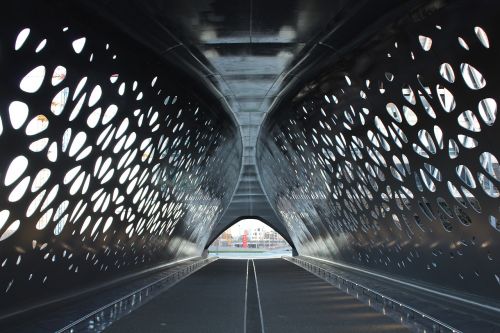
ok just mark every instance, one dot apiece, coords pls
pixel 134 133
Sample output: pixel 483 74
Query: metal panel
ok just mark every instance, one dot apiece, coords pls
pixel 110 162
pixel 388 158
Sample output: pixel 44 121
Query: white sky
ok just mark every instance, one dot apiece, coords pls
pixel 247 224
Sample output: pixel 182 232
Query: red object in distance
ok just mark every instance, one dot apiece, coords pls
pixel 245 240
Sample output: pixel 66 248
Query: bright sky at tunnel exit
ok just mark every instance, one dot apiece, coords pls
pixel 247 224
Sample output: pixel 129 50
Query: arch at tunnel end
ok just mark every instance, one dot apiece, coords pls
pixel 219 232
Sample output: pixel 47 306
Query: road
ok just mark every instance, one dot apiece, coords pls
pixel 264 295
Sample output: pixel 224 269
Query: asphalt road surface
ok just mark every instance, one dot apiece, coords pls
pixel 266 295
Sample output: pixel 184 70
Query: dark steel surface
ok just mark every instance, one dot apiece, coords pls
pixel 245 48
pixel 359 183
pixel 133 203
pixel 286 116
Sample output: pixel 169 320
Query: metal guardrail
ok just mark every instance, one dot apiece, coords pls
pixel 100 319
pixel 415 319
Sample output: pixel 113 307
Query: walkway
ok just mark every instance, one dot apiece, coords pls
pixel 268 295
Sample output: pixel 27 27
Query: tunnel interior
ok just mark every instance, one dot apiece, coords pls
pixel 134 133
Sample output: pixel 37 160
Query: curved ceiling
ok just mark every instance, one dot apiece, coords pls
pixel 163 122
pixel 249 52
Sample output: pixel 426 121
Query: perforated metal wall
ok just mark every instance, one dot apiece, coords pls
pixel 111 161
pixel 388 159
pixel 381 150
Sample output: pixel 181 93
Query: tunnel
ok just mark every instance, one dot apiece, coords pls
pixel 134 133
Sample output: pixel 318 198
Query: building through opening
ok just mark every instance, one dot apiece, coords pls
pixel 249 238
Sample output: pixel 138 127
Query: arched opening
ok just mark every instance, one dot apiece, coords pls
pixel 219 230
pixel 249 238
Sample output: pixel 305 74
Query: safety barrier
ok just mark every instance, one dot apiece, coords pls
pixel 100 319
pixel 407 315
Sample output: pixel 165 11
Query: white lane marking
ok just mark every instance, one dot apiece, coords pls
pixel 258 297
pixel 246 297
